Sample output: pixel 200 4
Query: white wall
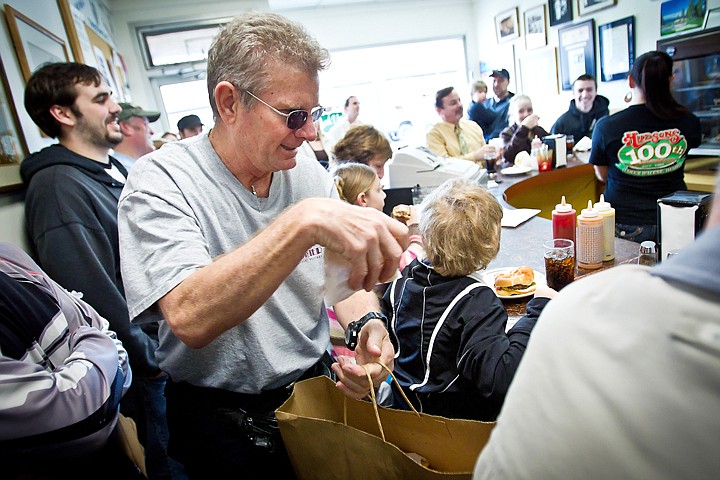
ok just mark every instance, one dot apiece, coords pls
pixel 647 32
pixel 336 28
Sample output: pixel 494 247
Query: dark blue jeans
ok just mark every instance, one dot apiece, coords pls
pixel 145 403
pixel 635 233
pixel 217 433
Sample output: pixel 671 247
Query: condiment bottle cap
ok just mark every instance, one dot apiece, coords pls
pixel 562 206
pixel 589 211
pixel 648 246
pixel 602 205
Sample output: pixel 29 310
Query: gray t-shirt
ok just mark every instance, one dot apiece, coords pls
pixel 180 209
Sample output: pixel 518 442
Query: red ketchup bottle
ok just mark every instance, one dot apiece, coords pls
pixel 563 221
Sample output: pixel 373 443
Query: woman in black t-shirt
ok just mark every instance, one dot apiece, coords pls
pixel 640 152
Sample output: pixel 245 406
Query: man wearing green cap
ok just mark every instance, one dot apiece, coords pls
pixel 137 134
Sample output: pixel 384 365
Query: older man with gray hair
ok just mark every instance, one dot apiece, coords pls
pixel 223 238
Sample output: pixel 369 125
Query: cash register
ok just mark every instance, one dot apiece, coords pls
pixel 418 166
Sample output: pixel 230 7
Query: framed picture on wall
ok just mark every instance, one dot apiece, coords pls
pixel 561 11
pixel 589 6
pixel 617 48
pixel 538 70
pixel 506 25
pixel 12 142
pixel 35 46
pixel 685 16
pixel 535 31
pixel 576 45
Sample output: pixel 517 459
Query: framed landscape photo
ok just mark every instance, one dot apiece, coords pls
pixel 589 6
pixel 35 46
pixel 682 16
pixel 506 25
pixel 617 48
pixel 576 45
pixel 561 11
pixel 535 30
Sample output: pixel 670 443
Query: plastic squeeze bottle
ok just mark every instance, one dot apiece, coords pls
pixel 563 221
pixel 608 215
pixel 589 238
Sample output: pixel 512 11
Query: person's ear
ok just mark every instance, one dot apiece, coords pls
pixel 361 200
pixel 227 100
pixel 125 129
pixel 631 81
pixel 63 115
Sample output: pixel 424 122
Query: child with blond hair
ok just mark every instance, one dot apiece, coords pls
pixel 453 357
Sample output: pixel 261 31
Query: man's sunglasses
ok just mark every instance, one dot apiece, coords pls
pixel 295 119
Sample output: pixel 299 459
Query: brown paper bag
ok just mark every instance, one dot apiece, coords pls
pixel 328 435
pixel 129 443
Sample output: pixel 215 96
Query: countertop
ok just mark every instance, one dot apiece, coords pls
pixel 522 245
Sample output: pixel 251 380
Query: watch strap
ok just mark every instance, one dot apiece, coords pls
pixel 352 333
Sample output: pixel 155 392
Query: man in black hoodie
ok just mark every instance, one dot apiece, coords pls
pixel 71 214
pixel 585 110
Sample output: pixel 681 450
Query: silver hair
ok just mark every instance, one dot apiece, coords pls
pixel 241 51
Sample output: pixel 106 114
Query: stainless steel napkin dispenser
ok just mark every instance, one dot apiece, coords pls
pixel 680 217
pixel 557 144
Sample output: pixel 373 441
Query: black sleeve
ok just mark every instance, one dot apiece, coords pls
pixel 488 357
pixel 82 258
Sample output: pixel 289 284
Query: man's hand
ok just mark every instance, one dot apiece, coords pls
pixel 489 150
pixel 370 241
pixel 373 345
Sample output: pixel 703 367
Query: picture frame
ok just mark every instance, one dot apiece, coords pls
pixel 507 26
pixel 617 48
pixel 34 45
pixel 712 18
pixel 13 148
pixel 537 71
pixel 682 16
pixel 576 45
pixel 561 11
pixel 588 6
pixel 535 27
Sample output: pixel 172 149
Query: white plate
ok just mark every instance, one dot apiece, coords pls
pixel 489 278
pixel 516 170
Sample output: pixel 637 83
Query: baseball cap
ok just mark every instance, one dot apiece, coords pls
pixel 189 121
pixel 130 110
pixel 501 73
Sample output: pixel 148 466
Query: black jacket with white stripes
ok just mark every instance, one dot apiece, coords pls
pixel 452 354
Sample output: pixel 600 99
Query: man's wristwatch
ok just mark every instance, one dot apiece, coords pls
pixel 352 332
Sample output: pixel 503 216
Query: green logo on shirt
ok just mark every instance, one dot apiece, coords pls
pixel 650 154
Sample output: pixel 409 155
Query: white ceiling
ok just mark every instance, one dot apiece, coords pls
pixel 295 4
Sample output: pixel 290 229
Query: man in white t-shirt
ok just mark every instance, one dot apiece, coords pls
pixel 350 119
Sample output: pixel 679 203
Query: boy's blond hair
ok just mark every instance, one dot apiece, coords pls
pixel 460 226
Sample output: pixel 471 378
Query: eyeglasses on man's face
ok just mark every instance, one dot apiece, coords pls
pixel 295 119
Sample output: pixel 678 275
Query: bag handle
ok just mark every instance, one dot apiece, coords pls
pixel 374 399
